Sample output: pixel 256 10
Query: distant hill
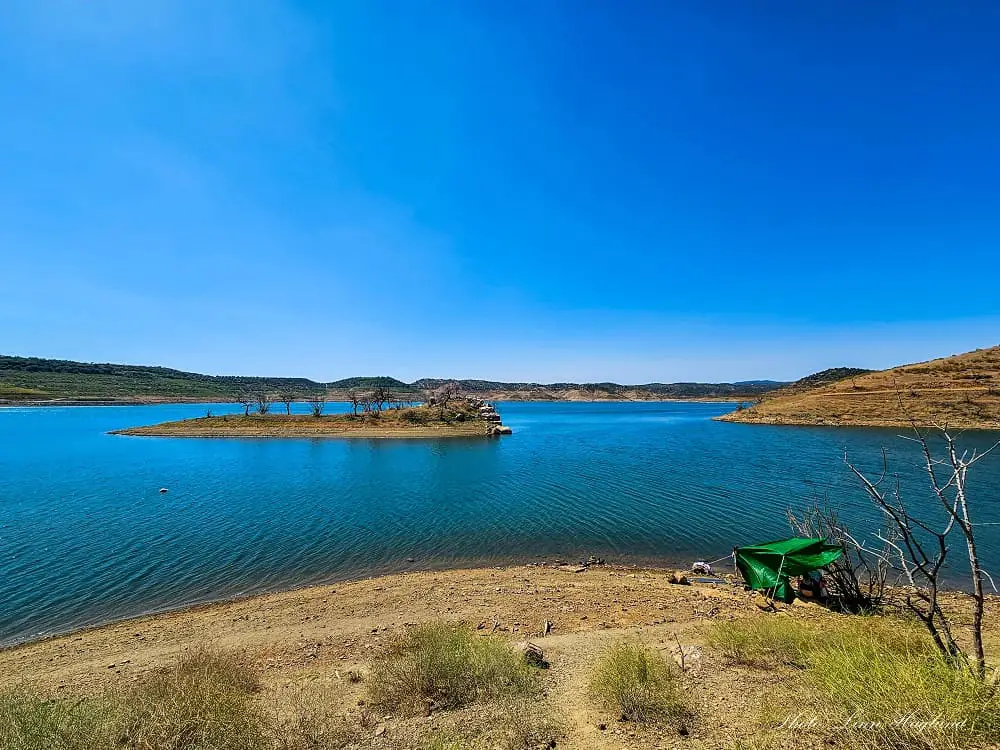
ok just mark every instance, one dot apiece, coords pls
pixel 500 391
pixel 823 377
pixel 962 391
pixel 32 379
pixel 369 383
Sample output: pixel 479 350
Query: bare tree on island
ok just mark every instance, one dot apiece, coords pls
pixel 918 548
pixel 355 398
pixel 442 395
pixel 263 400
pixel 316 405
pixel 246 401
pixel 380 397
pixel 286 397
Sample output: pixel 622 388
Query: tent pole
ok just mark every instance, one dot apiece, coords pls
pixel 777 581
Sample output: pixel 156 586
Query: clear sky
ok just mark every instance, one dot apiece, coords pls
pixel 543 190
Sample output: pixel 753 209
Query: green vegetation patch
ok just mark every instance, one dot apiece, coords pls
pixel 876 681
pixel 637 683
pixel 204 702
pixel 439 665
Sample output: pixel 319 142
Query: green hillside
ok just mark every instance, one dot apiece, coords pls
pixel 367 383
pixel 25 379
pixel 31 379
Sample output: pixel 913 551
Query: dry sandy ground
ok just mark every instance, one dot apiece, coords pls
pixel 318 635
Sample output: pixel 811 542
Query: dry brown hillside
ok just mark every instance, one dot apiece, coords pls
pixel 962 391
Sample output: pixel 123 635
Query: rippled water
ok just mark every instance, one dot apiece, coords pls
pixel 85 536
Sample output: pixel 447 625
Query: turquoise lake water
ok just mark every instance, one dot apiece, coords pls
pixel 86 537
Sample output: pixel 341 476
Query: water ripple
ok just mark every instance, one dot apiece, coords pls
pixel 85 536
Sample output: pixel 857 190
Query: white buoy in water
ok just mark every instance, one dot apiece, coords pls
pixel 163 490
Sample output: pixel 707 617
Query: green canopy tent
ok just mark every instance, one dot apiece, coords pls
pixel 770 565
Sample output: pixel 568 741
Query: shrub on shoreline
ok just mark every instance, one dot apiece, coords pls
pixel 637 683
pixel 441 665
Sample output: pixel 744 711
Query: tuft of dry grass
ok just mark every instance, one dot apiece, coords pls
pixel 504 724
pixel 314 723
pixel 439 665
pixel 637 683
pixel 205 701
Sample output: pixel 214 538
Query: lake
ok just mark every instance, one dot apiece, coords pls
pixel 86 536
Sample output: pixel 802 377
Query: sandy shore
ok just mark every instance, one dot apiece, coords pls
pixel 338 625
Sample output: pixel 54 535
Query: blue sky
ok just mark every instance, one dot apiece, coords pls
pixel 509 190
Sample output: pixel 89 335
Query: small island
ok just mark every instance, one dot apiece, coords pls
pixel 370 417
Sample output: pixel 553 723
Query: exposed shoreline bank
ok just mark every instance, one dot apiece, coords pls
pixel 417 579
pixel 861 424
pixel 275 432
pixel 323 641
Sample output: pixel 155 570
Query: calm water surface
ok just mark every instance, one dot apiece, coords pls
pixel 85 535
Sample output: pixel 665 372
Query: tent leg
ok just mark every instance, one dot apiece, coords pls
pixel 778 579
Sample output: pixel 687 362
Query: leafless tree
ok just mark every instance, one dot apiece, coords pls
pixel 316 405
pixel 919 549
pixel 443 395
pixel 263 400
pixel 355 398
pixel 286 398
pixel 379 397
pixel 246 400
pixel 365 399
pixel 858 578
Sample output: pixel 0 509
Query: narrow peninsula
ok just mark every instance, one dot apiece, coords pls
pixel 962 392
pixel 467 418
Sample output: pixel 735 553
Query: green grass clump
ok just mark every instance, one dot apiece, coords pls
pixel 30 722
pixel 878 681
pixel 205 702
pixel 764 641
pixel 636 682
pixel 891 696
pixel 447 666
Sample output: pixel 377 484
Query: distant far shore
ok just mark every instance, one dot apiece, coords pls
pixel 339 399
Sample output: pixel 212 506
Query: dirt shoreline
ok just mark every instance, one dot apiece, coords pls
pixel 411 422
pixel 894 424
pixel 859 423
pixel 318 637
pixel 364 433
pixel 339 624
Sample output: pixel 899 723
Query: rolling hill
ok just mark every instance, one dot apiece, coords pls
pixel 32 379
pixel 962 391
